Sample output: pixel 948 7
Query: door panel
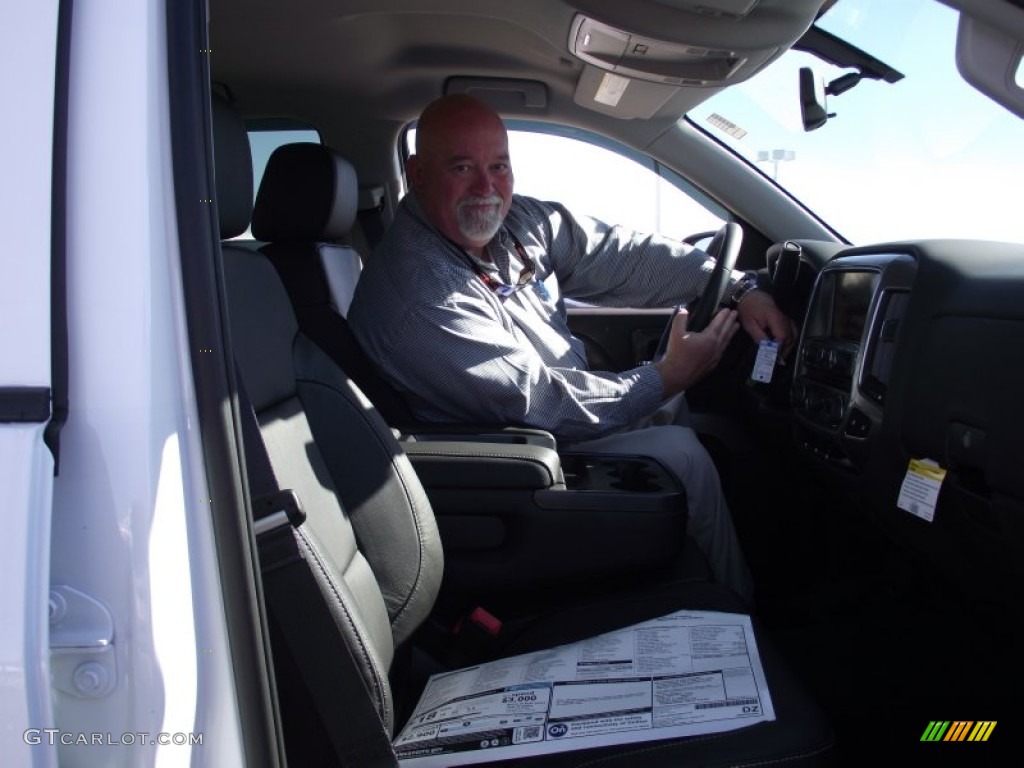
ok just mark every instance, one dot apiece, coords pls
pixel 618 339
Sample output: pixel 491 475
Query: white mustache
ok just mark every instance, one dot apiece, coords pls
pixel 490 200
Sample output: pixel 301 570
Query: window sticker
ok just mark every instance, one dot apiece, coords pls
pixel 920 489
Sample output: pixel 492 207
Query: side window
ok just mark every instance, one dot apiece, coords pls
pixel 264 137
pixel 595 177
pixel 608 183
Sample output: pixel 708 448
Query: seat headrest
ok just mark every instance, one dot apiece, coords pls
pixel 232 160
pixel 308 193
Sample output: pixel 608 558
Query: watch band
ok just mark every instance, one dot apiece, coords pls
pixel 745 285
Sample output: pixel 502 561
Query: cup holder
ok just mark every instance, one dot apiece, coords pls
pixel 586 472
pixel 635 476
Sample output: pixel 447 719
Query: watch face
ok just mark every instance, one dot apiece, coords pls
pixel 745 286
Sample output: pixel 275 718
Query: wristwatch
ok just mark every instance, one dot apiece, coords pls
pixel 746 284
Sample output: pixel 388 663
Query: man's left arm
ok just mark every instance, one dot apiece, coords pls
pixel 611 265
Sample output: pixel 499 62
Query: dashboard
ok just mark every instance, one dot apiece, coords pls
pixel 845 358
pixel 915 351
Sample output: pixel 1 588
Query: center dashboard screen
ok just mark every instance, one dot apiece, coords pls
pixel 853 292
pixel 841 305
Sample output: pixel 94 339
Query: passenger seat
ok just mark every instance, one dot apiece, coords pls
pixel 371 542
pixel 305 207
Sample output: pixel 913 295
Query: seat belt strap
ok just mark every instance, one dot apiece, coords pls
pixel 294 598
pixel 372 222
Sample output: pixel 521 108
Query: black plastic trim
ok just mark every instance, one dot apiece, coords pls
pixel 24 405
pixel 845 55
pixel 57 407
pixel 213 377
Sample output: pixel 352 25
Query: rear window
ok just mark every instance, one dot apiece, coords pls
pixel 264 137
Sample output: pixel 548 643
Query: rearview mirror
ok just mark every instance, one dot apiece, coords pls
pixel 813 107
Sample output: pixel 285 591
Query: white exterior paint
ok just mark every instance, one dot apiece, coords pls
pixel 28 34
pixel 130 509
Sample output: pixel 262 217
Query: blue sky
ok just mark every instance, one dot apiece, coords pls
pixel 927 156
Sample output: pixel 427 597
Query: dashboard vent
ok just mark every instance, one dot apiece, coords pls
pixel 881 346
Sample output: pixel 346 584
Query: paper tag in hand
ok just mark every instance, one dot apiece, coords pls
pixel 767 351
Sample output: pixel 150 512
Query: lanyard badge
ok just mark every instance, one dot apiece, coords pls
pixel 526 276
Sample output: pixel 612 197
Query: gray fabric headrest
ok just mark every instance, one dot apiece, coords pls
pixel 308 193
pixel 232 159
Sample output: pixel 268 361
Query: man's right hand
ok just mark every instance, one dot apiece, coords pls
pixel 691 355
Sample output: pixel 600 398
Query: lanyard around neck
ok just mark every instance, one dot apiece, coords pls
pixel 526 276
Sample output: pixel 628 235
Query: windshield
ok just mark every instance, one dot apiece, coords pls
pixel 927 156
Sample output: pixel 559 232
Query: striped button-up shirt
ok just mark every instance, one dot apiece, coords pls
pixel 462 352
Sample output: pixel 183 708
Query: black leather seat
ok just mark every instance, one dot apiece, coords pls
pixel 305 207
pixel 371 541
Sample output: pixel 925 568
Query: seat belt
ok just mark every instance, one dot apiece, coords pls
pixel 372 222
pixel 331 675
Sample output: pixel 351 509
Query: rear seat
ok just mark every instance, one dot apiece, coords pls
pixel 371 541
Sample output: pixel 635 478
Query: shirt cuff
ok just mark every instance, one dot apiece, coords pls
pixel 650 391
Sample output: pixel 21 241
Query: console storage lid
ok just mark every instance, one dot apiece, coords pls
pixel 484 465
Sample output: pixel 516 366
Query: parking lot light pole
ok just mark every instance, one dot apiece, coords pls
pixel 775 156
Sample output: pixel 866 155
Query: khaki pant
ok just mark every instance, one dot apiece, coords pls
pixel 663 437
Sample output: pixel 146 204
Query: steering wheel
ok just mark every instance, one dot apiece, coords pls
pixel 724 249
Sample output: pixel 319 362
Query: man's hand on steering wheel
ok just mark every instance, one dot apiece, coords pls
pixel 690 355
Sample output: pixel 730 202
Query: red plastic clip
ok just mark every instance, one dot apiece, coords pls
pixel 486 621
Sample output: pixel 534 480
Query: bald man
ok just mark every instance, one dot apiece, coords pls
pixel 462 309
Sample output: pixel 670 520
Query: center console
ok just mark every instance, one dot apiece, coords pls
pixel 518 516
pixel 845 354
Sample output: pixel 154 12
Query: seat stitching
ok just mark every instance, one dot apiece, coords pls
pixel 414 506
pixel 370 662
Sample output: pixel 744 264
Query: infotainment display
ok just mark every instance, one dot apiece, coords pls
pixel 841 304
pixel 853 292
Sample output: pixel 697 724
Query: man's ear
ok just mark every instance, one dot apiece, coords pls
pixel 414 171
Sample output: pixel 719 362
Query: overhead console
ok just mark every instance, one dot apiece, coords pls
pixel 639 54
pixel 846 353
pixel 648 58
